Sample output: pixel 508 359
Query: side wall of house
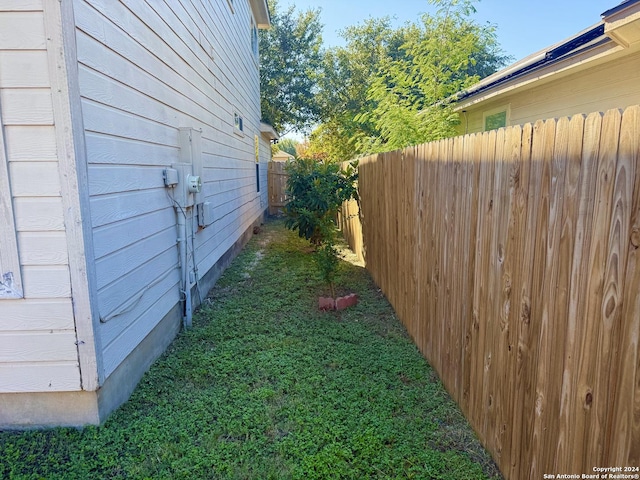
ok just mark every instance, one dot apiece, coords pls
pixel 601 88
pixel 147 70
pixel 38 350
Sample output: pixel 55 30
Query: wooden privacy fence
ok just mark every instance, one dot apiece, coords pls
pixel 513 259
pixel 277 184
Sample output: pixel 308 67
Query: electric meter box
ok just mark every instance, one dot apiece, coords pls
pixel 188 184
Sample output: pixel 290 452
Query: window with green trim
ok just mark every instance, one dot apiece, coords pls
pixel 497 120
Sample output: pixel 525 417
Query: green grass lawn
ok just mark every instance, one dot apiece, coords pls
pixel 266 386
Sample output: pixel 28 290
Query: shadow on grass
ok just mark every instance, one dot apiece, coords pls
pixel 266 386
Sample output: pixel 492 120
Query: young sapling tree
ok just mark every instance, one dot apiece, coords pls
pixel 316 193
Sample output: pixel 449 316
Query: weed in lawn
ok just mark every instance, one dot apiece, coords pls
pixel 266 386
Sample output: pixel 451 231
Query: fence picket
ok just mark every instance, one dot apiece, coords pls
pixel 591 351
pixel 570 284
pixel 517 262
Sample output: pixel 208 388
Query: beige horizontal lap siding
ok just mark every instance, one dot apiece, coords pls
pixel 147 69
pixel 38 350
pixel 610 85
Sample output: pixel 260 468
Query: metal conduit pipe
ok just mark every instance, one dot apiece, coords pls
pixel 184 265
pixel 183 185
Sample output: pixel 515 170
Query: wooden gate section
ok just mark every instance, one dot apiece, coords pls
pixel 277 187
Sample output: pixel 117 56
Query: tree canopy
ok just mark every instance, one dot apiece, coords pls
pixel 290 64
pixel 441 55
pixel 288 145
pixel 385 89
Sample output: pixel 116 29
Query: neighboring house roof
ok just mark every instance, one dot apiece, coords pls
pixel 622 23
pixel 282 156
pixel 619 29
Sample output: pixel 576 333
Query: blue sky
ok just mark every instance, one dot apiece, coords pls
pixel 524 26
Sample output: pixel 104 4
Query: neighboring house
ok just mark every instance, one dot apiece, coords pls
pixel 596 70
pixel 282 156
pixel 113 113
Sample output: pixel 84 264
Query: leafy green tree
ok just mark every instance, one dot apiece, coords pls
pixel 388 88
pixel 290 63
pixel 441 56
pixel 331 142
pixel 287 145
pixel 347 75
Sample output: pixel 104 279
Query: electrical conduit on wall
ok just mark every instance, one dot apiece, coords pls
pixel 184 183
